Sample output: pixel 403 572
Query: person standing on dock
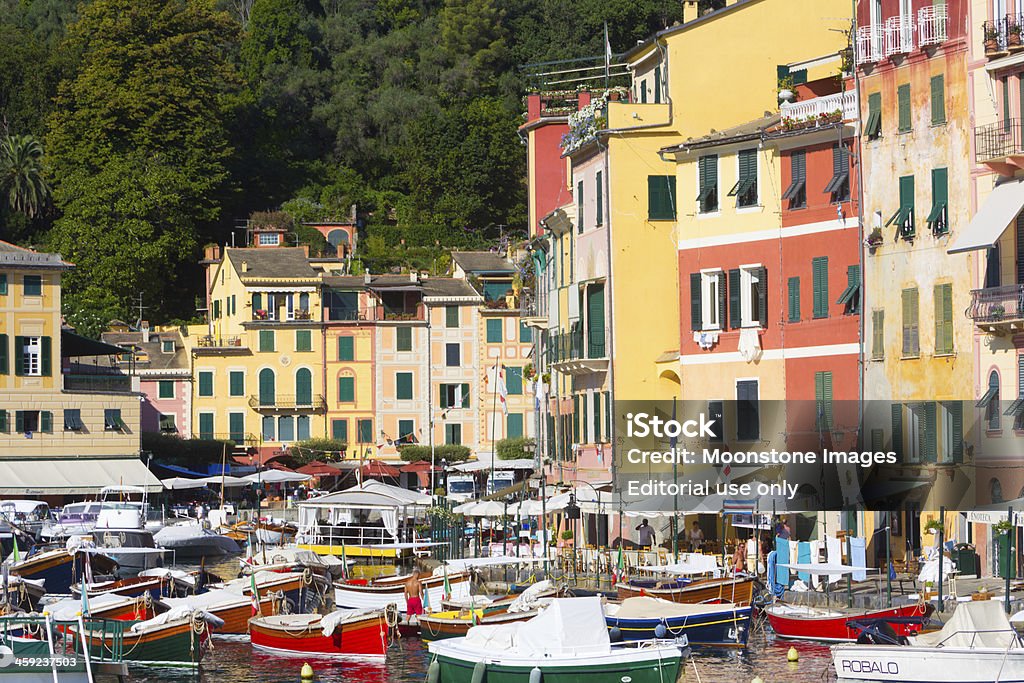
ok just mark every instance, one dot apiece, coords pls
pixel 646 534
pixel 414 595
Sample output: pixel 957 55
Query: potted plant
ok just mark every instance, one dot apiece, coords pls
pixel 997 312
pixel 991 39
pixel 1003 527
pixel 1013 41
pixel 933 526
pixel 874 238
pixel 529 372
pixel 786 93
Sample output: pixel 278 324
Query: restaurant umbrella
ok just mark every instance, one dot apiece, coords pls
pixel 377 470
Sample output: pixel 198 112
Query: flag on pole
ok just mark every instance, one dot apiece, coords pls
pixel 85 599
pixel 344 563
pixel 255 595
pixel 607 53
pixel 620 567
pixel 501 388
pixel 447 586
pixel 15 553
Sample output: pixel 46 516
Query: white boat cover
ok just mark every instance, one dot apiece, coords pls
pixel 493 637
pixel 568 626
pixel 68 608
pixel 271 477
pixel 656 608
pixel 167 573
pixel 975 624
pixel 339 616
pixel 527 600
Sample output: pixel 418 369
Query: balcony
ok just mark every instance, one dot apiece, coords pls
pixel 901 34
pixel 998 309
pixel 1003 36
pixel 96 382
pixel 533 309
pixel 211 342
pixel 288 402
pixel 815 108
pixel 1000 146
pixel 349 315
pixel 869 45
pixel 569 353
pixel 281 314
pixel 931 25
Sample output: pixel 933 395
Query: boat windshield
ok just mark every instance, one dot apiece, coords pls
pixel 460 487
pixel 80 512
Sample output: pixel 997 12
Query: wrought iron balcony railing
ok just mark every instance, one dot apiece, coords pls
pixel 997 305
pixel 314 402
pixel 998 140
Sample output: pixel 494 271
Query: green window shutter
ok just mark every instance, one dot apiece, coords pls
pixel 903 101
pixel 955 413
pixel 873 126
pixel 403 338
pixel 443 396
pixel 346 348
pixel 257 302
pixel 607 416
pixel 897 430
pixel 597 418
pixel 304 387
pixel 657 85
pixel 236 427
pixel 938 216
pixel 451 316
pixel 576 419
pixel 661 197
pixel 819 274
pixel 877 334
pixel 45 421
pixel 944 319
pixel 403 386
pixel 3 284
pixel 595 321
pixel 695 302
pixel 745 189
pixel 580 213
pixel 4 355
pixel 236 383
pixel 465 395
pixel 907 205
pixel 930 426
pixel 339 430
pixel 165 388
pixel 909 302
pixel 599 193
pixel 762 296
pixel 514 380
pixel 268 387
pixel 19 420
pixel 525 333
pixel 406 431
pixel 19 355
pixel 938 99
pixel 303 340
pixel 794 299
pixel 206 383
pixel 877 440
pixel 346 389
pixel 5 425
pixel 514 425
pixel 266 341
pixel 823 399
pixel 494 330
pixel 47 352
pixel 366 431
pixel 206 426
pixel 735 319
pixel 584 424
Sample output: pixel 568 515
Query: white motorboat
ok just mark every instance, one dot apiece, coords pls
pixel 120 533
pixel 27 515
pixel 977 645
pixel 380 593
pixel 566 643
pixel 191 540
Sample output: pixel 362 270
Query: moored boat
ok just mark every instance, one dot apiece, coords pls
pixel 190 540
pixel 738 590
pixel 646 618
pixel 566 643
pixel 22 594
pixel 133 587
pixel 342 633
pixel 455 624
pixel 836 625
pixel 59 568
pixel 977 645
pixel 391 590
pixel 234 609
pixel 174 638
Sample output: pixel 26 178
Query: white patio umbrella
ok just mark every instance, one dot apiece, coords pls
pixel 180 483
pixel 487 508
pixel 276 476
pixel 463 507
pixel 530 508
pixel 226 480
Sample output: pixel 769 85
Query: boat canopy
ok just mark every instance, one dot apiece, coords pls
pixel 370 494
pixel 980 623
pixel 567 627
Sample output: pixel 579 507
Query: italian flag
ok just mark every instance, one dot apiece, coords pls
pixel 255 595
pixel 620 568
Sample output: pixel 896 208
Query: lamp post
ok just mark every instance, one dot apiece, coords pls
pixel 572 511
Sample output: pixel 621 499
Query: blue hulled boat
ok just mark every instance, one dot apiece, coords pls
pixel 643 618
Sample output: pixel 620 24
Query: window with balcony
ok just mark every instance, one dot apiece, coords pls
pixel 748 296
pixel 707 300
pixel 796 193
pixel 911 338
pixel 839 185
pixel 707 178
pixel 267 387
pixel 745 189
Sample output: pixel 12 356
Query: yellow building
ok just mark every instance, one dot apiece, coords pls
pixel 258 362
pixel 66 428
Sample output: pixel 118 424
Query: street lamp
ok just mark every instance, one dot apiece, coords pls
pixel 572 511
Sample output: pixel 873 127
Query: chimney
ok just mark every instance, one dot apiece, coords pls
pixel 212 252
pixel 689 10
pixel 144 326
pixel 366 277
pixel 245 266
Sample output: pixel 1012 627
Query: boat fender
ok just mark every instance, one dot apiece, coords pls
pixel 536 675
pixel 792 655
pixel 307 672
pixel 660 631
pixel 434 672
pixel 479 673
pixel 615 634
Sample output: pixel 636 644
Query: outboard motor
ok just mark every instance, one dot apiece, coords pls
pixel 878 633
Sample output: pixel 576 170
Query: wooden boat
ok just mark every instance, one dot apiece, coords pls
pixel 455 624
pixel 567 642
pixel 836 626
pixel 107 606
pixel 739 591
pixel 139 585
pixel 343 633
pixel 301 591
pixel 380 593
pixel 720 625
pixel 233 609
pixel 976 645
pixel 59 569
pixel 23 594
pixel 166 639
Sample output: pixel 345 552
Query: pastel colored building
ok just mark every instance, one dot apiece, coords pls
pixel 69 418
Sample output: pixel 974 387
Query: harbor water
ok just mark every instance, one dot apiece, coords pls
pixel 237 662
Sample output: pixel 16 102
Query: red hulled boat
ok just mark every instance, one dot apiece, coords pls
pixel 815 623
pixel 342 633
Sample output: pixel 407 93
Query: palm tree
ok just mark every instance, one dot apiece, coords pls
pixel 21 174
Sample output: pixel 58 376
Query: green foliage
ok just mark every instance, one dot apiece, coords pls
pixel 513 449
pixel 173 450
pixel 450 452
pixel 325 450
pixel 21 174
pixel 276 34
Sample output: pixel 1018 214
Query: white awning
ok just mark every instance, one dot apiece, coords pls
pixel 72 476
pixel 994 216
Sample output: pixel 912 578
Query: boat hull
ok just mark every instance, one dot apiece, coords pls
pixel 804 625
pixel 379 596
pixel 888 664
pixel 727 628
pixel 59 568
pixel 365 637
pixel 174 644
pixel 637 667
pixel 737 591
pixel 439 626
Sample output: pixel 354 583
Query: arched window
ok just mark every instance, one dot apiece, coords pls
pixel 267 387
pixel 992 406
pixel 303 387
pixel 996 490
